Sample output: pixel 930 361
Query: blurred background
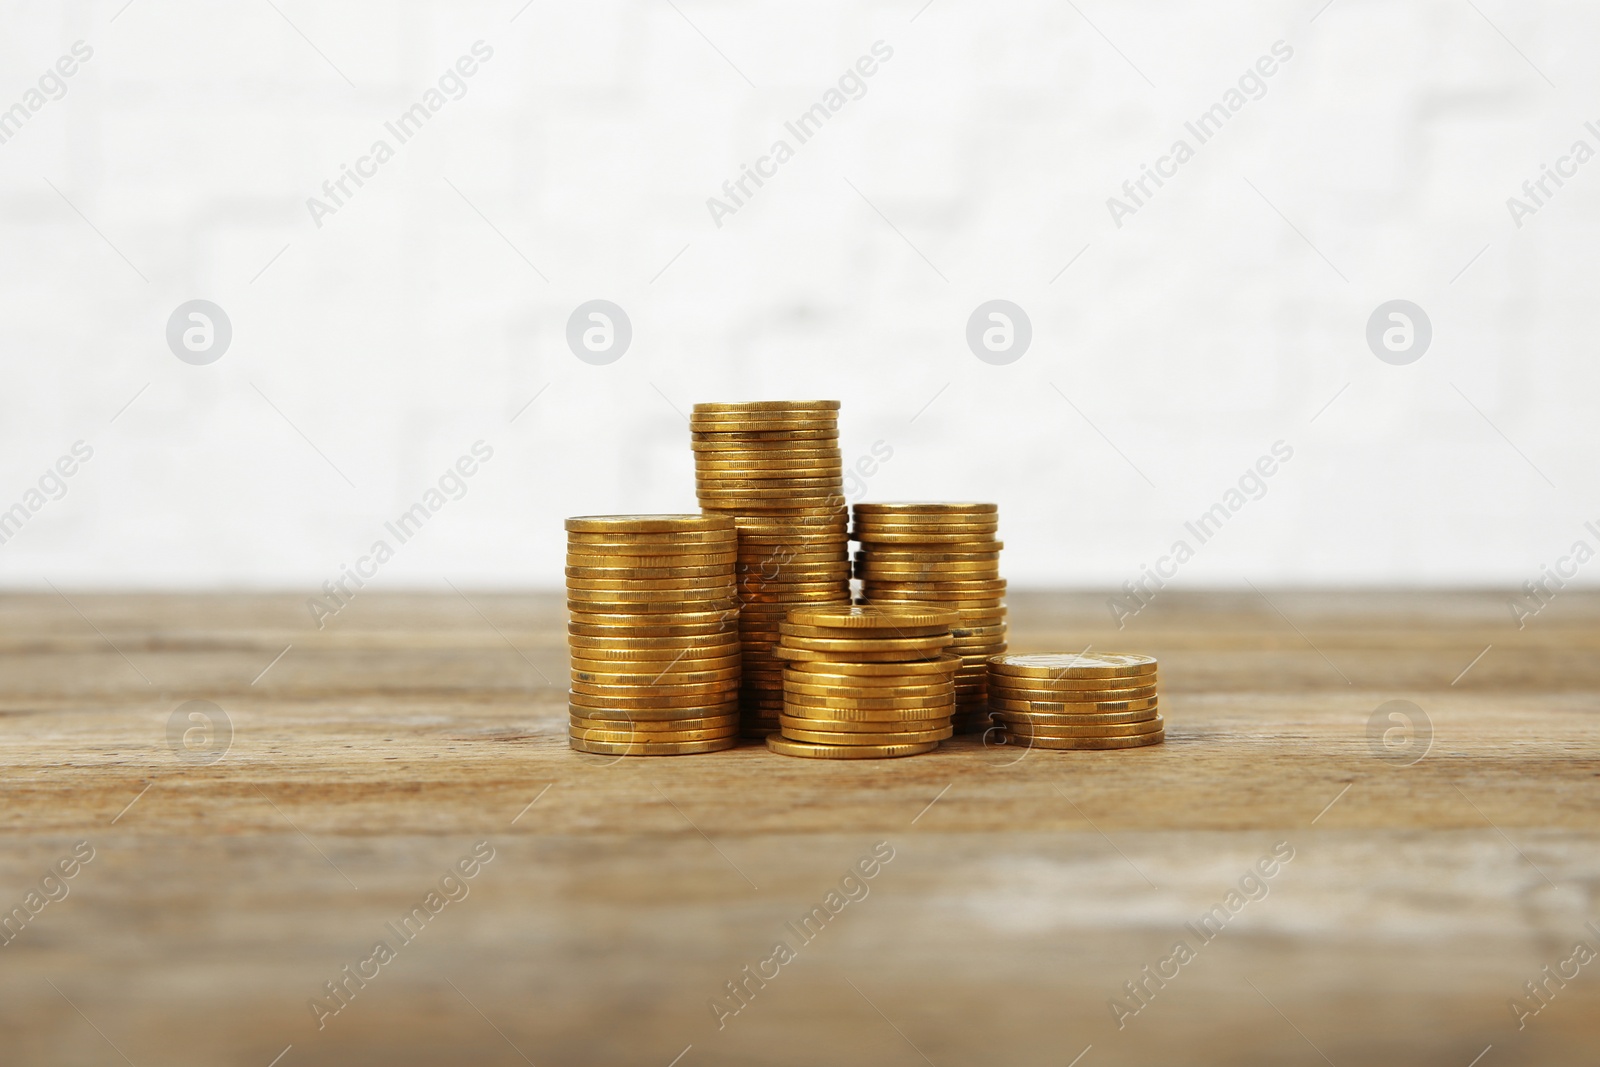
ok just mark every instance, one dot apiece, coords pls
pixel 358 342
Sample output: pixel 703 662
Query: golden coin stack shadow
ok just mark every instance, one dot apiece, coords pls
pixel 653 633
pixel 945 555
pixel 866 682
pixel 774 470
pixel 1088 700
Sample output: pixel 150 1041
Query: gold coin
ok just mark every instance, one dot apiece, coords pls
pixel 620 684
pixel 1070 688
pixel 668 671
pixel 794 486
pixel 718 445
pixel 937 689
pixel 649 650
pixel 711 465
pixel 624 736
pixel 755 535
pixel 785 747
pixel 604 599
pixel 842 737
pixel 670 676
pixel 768 503
pixel 1004 701
pixel 652 574
pixel 641 524
pixel 819 416
pixel 1088 718
pixel 661 609
pixel 673 748
pixel 677 601
pixel 765 405
pixel 717 467
pixel 870 617
pixel 662 713
pixel 657 553
pixel 807 655
pixel 889 715
pixel 814 517
pixel 653 544
pixel 795 629
pixel 887 702
pixel 863 726
pixel 975 541
pixel 717 584
pixel 710 428
pixel 933 508
pixel 836 573
pixel 780 512
pixel 615 721
pixel 633 697
pixel 921 522
pixel 987 570
pixel 780 598
pixel 1075 665
pixel 908 533
pixel 1057 729
pixel 660 627
pixel 746 438
pixel 870 673
pixel 895 599
pixel 962 631
pixel 783 555
pixel 867 644
pixel 890 554
pixel 1088 743
pixel 651 563
pixel 803 573
pixel 960 586
pixel 755 585
pixel 608 652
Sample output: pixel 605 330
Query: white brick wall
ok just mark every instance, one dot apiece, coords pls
pixel 406 327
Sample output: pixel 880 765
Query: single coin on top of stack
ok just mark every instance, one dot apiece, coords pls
pixel 654 634
pixel 774 468
pixel 945 554
pixel 1085 700
pixel 865 682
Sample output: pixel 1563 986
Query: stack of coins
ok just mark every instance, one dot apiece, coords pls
pixel 943 554
pixel 1083 700
pixel 865 682
pixel 654 634
pixel 775 469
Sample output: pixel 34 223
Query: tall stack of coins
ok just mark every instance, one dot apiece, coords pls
pixel 1087 700
pixel 944 554
pixel 865 682
pixel 654 634
pixel 775 469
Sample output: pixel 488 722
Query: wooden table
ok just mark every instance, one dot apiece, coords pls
pixel 1429 881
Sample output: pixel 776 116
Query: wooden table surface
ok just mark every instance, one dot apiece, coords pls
pixel 1429 880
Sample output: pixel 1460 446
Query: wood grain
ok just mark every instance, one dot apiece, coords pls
pixel 1025 888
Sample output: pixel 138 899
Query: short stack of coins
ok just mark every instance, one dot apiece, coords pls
pixel 865 682
pixel 1087 700
pixel 653 632
pixel 945 554
pixel 774 468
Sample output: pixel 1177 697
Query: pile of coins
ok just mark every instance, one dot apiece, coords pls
pixel 1089 700
pixel 774 469
pixel 944 554
pixel 865 682
pixel 654 634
